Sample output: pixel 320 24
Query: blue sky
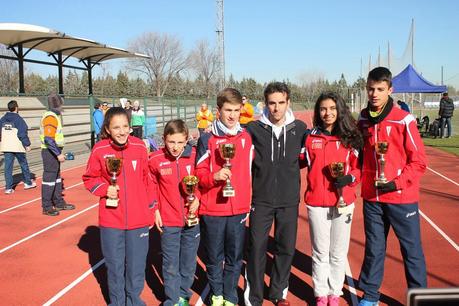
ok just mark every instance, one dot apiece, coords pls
pixel 268 39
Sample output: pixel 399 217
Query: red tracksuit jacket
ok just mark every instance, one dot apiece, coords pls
pixel 321 149
pixel 209 161
pixel 405 159
pixel 135 206
pixel 168 172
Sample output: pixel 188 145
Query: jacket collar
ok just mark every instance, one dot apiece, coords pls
pixel 387 109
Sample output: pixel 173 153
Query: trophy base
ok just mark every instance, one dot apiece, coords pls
pixel 343 210
pixel 228 193
pixel 380 182
pixel 111 203
pixel 192 222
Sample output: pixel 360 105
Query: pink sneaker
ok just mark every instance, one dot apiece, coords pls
pixel 321 301
pixel 333 300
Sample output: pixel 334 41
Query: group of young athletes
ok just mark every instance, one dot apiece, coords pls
pixel 265 160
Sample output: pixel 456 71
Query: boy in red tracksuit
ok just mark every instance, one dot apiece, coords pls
pixel 335 138
pixel 179 242
pixel 123 226
pixel 395 203
pixel 223 218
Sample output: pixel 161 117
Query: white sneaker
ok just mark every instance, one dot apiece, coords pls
pixel 27 186
pixel 9 191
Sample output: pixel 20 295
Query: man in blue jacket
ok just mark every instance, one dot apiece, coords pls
pixel 14 143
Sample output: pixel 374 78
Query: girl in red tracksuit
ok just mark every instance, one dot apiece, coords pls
pixel 123 228
pixel 335 138
pixel 179 242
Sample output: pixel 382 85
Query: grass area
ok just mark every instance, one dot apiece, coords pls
pixel 450 145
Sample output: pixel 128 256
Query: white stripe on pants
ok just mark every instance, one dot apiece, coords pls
pixel 330 234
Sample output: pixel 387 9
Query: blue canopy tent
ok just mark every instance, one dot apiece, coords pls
pixel 409 81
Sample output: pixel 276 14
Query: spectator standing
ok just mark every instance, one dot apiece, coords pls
pixel 14 143
pixel 446 112
pixel 246 112
pixel 52 144
pixel 137 120
pixel 393 204
pixel 105 108
pixel 204 118
pixel 278 139
pixel 98 119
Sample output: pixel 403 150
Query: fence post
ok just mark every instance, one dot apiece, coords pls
pixel 91 119
pixel 145 116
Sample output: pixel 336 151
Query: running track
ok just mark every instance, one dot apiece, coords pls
pixel 58 260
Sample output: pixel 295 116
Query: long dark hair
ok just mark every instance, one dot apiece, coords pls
pixel 345 125
pixel 114 111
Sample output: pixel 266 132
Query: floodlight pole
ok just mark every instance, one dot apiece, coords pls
pixel 220 45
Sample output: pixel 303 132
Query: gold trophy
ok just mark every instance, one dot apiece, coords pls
pixel 227 152
pixel 337 170
pixel 381 148
pixel 190 183
pixel 113 165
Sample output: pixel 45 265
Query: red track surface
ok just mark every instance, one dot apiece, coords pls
pixel 37 269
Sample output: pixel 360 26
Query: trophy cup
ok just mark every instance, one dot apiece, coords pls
pixel 227 152
pixel 381 148
pixel 190 183
pixel 113 165
pixel 337 170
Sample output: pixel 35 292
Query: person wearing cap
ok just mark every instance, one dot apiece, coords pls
pixel 14 143
pixel 52 144
pixel 105 108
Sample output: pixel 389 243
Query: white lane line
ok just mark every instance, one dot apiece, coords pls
pixel 203 296
pixel 46 229
pixel 445 177
pixel 351 285
pixel 36 199
pixel 39 177
pixel 74 283
pixel 440 231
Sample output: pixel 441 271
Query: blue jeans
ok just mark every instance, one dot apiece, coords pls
pixel 9 161
pixel 224 243
pixel 404 219
pixel 444 121
pixel 125 253
pixel 179 246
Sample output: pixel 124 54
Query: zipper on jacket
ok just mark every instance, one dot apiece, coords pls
pixel 125 192
pixel 179 184
pixel 376 159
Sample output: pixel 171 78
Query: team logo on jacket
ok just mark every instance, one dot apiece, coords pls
pixel 388 128
pixel 164 163
pixel 317 144
pixel 166 171
pixel 219 141
pixel 134 164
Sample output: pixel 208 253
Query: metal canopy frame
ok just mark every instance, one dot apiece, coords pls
pixel 60 47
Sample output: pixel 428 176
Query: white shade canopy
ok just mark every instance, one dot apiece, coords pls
pixel 51 41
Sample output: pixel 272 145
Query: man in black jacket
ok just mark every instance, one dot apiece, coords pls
pixel 446 112
pixel 278 139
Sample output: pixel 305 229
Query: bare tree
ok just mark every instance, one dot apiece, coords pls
pixel 167 59
pixel 8 72
pixel 204 61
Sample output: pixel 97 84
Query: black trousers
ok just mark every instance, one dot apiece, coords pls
pixel 51 188
pixel 285 231
pixel 137 131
